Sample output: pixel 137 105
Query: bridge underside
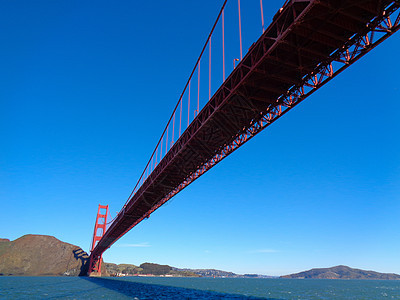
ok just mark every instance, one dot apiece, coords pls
pixel 307 44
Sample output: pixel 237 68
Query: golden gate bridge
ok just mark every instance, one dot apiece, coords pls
pixel 308 43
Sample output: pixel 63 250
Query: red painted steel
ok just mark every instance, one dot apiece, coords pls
pixel 188 118
pixel 209 69
pixel 166 141
pixel 234 62
pixel 223 45
pixel 157 151
pixel 173 130
pixel 198 87
pixel 262 15
pixel 240 31
pixel 308 43
pixel 180 118
pixel 100 228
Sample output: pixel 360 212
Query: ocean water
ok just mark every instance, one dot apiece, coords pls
pixel 193 288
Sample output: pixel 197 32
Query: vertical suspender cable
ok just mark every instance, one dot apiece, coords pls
pixel 166 142
pixel 198 87
pixel 223 45
pixel 173 130
pixel 209 70
pixel 240 31
pixel 188 105
pixel 161 145
pixel 180 119
pixel 262 16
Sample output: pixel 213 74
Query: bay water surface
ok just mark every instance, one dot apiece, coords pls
pixel 194 288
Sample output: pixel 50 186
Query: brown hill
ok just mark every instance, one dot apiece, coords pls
pixel 34 255
pixel 342 272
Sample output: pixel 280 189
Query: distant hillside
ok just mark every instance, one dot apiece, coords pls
pixel 219 273
pixel 126 269
pixel 342 272
pixel 33 255
pixel 210 272
pixel 165 270
pixel 146 269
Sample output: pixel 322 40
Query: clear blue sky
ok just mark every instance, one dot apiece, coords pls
pixel 85 91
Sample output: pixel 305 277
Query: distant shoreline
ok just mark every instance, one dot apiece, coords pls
pixel 48 256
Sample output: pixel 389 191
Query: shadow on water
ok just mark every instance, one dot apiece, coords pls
pixel 36 283
pixel 157 291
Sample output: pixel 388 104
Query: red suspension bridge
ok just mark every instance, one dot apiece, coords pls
pixel 307 44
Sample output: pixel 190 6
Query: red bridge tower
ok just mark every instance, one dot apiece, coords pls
pixel 99 230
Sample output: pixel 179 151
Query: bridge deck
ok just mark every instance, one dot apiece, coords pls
pixel 304 36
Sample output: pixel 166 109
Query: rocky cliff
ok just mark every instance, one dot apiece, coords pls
pixel 33 255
